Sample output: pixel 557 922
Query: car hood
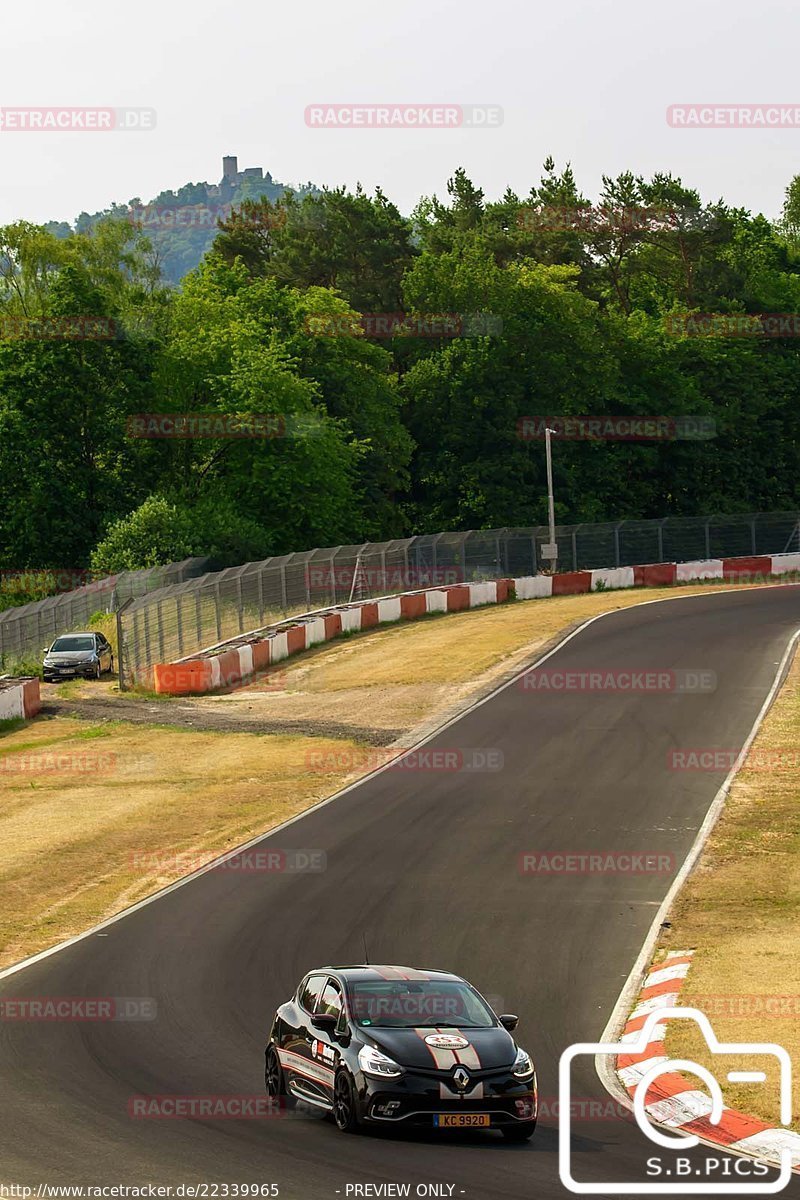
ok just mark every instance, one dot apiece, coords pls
pixel 494 1047
pixel 66 658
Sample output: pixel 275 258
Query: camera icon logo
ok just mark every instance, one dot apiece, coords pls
pixel 647 1114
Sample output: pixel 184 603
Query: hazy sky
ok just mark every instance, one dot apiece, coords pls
pixel 584 80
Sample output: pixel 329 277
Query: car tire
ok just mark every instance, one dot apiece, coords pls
pixel 345 1112
pixel 98 671
pixel 519 1133
pixel 274 1080
pixel 111 666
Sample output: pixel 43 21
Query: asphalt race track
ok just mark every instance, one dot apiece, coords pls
pixel 426 863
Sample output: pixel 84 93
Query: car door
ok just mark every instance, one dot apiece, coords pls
pixel 295 1053
pixel 324 1047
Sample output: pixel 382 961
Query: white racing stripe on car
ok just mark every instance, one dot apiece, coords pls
pixel 468 1056
pixel 444 1059
pixel 299 1065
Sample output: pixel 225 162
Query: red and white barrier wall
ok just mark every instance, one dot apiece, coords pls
pixel 19 698
pixel 229 665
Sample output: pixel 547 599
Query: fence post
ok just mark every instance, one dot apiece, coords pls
pixel 179 623
pixel 284 603
pixel 260 598
pixel 135 645
pixel 160 616
pixel 240 602
pixel 121 643
pixel 753 536
pixel 708 539
pixel 198 612
pixel 575 529
pixel 217 607
pixel 661 541
pixel 617 528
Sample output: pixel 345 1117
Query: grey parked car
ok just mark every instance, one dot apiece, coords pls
pixel 85 654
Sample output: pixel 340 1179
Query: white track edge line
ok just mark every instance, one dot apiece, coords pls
pixel 262 837
pixel 606 1073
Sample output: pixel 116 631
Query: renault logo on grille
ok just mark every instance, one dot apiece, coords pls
pixel 461 1078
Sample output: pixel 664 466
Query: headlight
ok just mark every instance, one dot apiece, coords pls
pixel 523 1065
pixel 372 1062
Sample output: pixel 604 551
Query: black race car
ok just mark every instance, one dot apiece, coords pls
pixel 394 1046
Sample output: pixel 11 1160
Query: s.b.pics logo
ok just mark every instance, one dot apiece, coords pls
pixel 688 1096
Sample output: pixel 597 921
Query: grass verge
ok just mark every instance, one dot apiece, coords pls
pixel 740 911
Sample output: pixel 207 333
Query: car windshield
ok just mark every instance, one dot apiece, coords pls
pixel 72 644
pixel 406 1004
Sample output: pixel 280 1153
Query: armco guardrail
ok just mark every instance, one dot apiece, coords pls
pixel 26 629
pixel 175 622
pixel 242 658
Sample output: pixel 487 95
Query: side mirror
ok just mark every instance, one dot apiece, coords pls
pixel 509 1021
pixel 325 1021
pixel 46 650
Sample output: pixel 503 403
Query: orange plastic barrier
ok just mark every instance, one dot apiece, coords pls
pixel 179 679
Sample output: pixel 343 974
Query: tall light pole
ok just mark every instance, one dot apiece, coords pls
pixel 550 551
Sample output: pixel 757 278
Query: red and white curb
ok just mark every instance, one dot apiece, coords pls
pixel 238 660
pixel 671 1101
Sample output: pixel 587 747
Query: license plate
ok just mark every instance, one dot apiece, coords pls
pixel 63 672
pixel 462 1120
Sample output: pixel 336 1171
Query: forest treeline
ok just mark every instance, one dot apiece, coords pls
pixel 334 371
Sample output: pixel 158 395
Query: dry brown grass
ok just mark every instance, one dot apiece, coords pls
pixel 106 829
pixel 740 909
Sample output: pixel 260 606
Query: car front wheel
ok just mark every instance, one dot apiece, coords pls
pixel 344 1104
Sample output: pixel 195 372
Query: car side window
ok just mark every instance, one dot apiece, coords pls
pixel 331 1002
pixel 311 992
